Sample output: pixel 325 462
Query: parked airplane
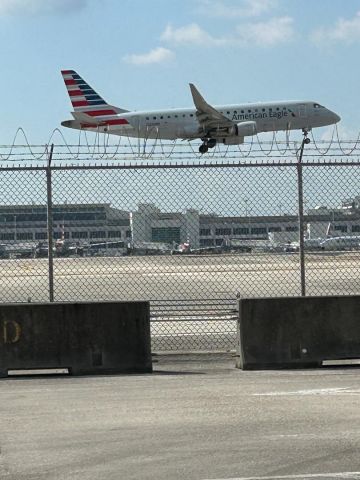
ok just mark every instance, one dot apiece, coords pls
pixel 347 242
pixel 227 124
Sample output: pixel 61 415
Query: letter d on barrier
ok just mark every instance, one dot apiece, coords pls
pixel 11 331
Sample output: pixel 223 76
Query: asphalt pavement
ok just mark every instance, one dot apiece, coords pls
pixel 196 417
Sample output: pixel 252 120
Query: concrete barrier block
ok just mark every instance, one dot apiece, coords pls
pixel 297 331
pixel 86 338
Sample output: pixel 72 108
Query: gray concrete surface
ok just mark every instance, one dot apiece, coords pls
pixel 162 277
pixel 280 332
pixel 196 418
pixel 85 337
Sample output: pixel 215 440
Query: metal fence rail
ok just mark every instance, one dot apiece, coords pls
pixel 190 237
pixel 205 324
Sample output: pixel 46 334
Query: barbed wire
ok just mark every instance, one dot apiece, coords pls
pixel 97 147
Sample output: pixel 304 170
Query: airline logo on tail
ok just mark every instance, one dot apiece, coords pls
pixel 89 107
pixel 83 97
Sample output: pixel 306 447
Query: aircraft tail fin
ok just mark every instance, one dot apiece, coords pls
pixel 85 99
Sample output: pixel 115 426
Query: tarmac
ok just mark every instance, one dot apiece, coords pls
pixel 179 277
pixel 196 417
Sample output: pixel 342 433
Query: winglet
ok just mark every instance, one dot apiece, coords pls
pixel 199 100
pixel 203 108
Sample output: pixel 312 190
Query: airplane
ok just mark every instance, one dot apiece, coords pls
pixel 226 124
pixel 346 242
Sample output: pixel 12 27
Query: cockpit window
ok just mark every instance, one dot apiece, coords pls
pixel 317 105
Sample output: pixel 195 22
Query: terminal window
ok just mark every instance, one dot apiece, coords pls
pixel 114 234
pixel 24 236
pixel 79 234
pixel 98 234
pixel 341 228
pixel 7 236
pixel 258 230
pixel 205 232
pixel 241 231
pixel 165 234
pixel 223 231
pixel 40 235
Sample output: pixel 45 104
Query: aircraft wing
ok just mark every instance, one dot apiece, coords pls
pixel 208 116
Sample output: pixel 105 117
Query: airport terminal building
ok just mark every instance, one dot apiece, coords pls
pixel 95 223
pixel 148 223
pixel 74 222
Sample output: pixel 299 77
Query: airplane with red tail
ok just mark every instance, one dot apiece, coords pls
pixel 226 124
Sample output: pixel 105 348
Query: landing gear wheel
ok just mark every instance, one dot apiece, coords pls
pixel 307 140
pixel 203 148
pixel 211 143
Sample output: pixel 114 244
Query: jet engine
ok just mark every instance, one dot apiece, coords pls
pixel 232 140
pixel 242 129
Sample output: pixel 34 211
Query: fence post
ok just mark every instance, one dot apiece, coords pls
pixel 50 226
pixel 301 214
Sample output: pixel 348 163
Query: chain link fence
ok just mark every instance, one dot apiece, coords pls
pixel 189 238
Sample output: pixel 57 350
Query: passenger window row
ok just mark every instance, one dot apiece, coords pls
pixel 169 116
pixel 256 110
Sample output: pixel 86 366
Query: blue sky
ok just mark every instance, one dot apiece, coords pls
pixel 141 54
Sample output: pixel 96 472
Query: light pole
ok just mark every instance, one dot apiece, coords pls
pixel 299 155
pixel 247 215
pixel 15 228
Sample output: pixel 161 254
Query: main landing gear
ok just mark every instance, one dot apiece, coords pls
pixel 207 143
pixel 203 148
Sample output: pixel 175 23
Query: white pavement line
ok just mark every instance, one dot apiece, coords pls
pixel 305 476
pixel 315 391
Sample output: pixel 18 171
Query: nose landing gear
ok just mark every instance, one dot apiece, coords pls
pixel 306 133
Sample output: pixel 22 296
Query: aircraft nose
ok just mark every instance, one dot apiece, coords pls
pixel 335 116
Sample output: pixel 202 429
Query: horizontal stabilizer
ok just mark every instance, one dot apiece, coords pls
pixel 119 110
pixel 84 118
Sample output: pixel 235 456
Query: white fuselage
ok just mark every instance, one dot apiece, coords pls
pixel 347 242
pixel 260 117
pixel 228 124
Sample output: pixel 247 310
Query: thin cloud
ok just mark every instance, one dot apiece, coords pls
pixel 267 34
pixel 191 34
pixel 260 34
pixel 155 56
pixel 36 7
pixel 238 8
pixel 344 31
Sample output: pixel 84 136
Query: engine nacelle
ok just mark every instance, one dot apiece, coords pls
pixel 232 140
pixel 242 129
